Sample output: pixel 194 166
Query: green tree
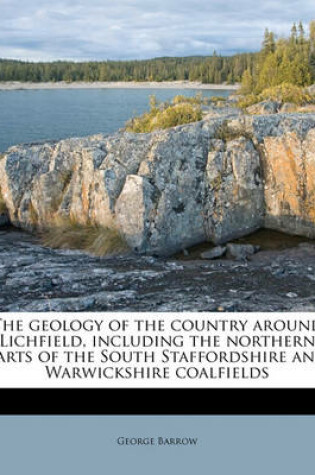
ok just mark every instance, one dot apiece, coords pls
pixel 312 49
pixel 247 82
pixel 269 44
pixel 290 61
pixel 294 34
pixel 301 37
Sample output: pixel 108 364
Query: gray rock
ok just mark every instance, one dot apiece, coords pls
pixel 288 108
pixel 291 295
pixel 241 251
pixel 213 253
pixel 264 108
pixel 35 278
pixel 214 180
pixel 306 245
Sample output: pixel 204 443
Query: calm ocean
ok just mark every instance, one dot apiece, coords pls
pixel 36 115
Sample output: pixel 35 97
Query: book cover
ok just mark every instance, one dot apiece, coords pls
pixel 157 226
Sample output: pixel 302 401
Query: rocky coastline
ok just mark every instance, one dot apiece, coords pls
pixel 214 181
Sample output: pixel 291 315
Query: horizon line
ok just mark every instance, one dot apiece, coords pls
pixel 154 58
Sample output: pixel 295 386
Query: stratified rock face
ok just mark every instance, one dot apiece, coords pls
pixel 175 188
pixel 290 183
pixel 234 200
pixel 133 209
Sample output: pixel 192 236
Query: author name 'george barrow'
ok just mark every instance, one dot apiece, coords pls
pixel 136 441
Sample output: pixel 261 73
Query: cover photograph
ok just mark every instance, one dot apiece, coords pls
pixel 157 236
pixel 157 156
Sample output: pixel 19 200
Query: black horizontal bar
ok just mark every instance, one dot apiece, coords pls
pixel 157 401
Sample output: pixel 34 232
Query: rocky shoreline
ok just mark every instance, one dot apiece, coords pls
pixel 213 181
pixel 14 86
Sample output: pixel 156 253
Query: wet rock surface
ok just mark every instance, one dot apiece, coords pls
pixel 34 278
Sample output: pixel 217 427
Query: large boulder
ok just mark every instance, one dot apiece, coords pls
pixel 288 108
pixel 264 108
pixel 213 180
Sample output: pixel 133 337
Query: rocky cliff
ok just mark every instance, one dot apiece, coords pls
pixel 214 180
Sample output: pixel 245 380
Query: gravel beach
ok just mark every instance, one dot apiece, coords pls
pixel 12 86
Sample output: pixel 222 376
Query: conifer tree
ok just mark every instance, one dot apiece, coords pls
pixel 269 44
pixel 290 61
pixel 294 33
pixel 247 82
pixel 301 33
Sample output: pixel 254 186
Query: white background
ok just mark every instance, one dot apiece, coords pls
pixel 33 374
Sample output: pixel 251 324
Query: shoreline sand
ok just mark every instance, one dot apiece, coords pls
pixel 14 86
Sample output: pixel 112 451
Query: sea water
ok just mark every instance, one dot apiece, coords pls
pixel 28 116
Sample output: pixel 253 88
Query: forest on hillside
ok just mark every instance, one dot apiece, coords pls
pixel 213 69
pixel 281 60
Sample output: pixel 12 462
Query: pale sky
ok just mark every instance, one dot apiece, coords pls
pixel 138 29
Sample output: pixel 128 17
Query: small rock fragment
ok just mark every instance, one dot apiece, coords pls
pixel 213 253
pixel 291 295
pixel 241 251
pixel 306 245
